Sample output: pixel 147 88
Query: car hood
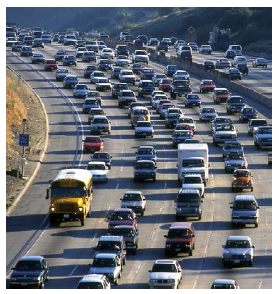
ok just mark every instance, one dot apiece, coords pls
pixel 237 250
pixel 163 276
pixel 193 186
pixel 101 270
pixel 242 212
pixel 225 133
pixel 98 172
pixel 242 180
pixel 264 136
pixel 17 273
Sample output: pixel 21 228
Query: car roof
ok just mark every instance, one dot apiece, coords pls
pixel 123 227
pixel 165 261
pixel 92 278
pixel 96 162
pixel 189 191
pixel 145 160
pixel 244 198
pixel 181 225
pixel 105 255
pixel 232 238
pixel 111 238
pixel 34 258
pixel 223 281
pixel 123 210
pixel 133 192
pixel 100 116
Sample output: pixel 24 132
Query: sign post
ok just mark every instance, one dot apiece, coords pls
pixel 23 140
pixel 191 30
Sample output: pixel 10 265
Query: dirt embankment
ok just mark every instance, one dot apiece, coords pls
pixel 21 103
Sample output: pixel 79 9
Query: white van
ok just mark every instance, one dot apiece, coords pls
pixel 236 48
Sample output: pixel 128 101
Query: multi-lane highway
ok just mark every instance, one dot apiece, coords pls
pixel 68 248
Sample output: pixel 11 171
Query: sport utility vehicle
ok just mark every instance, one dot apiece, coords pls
pixel 112 244
pixel 145 170
pixel 188 204
pixel 235 104
pixel 180 239
pixel 180 88
pixel 254 124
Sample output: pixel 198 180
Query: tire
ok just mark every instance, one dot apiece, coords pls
pixel 191 252
pixel 42 285
pixel 82 222
pixel 252 189
pixel 134 252
pixel 256 225
pixel 251 262
pixel 154 179
pixel 116 280
pixel 89 211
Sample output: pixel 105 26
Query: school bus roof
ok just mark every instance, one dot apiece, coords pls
pixel 81 175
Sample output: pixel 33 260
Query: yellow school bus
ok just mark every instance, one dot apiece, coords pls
pixel 70 195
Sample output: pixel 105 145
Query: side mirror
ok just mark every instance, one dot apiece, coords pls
pixel 231 207
pixel 121 198
pixel 165 236
pixel 47 194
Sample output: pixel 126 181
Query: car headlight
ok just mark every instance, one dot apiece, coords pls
pixel 179 209
pixel 168 245
pixel 13 278
pixel 187 245
pixel 52 209
pixel 80 209
pixel 152 281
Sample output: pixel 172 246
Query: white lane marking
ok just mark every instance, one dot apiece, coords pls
pixel 95 235
pixel 117 185
pixel 260 284
pixel 137 270
pixel 73 271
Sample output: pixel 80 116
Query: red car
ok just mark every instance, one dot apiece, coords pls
pixel 137 68
pixel 122 216
pixel 92 144
pixel 165 84
pixel 51 64
pixel 207 86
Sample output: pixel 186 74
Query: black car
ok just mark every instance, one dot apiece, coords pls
pixel 146 87
pixel 170 70
pixel 121 50
pixel 145 170
pixel 243 68
pixel 117 88
pixel 180 88
pixel 186 55
pixel 162 46
pixel 88 70
pixel 30 272
pixel 208 65
pixel 229 54
pixel 233 74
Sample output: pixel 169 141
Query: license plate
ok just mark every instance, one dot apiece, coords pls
pixel 66 215
pixel 237 261
pixel 177 249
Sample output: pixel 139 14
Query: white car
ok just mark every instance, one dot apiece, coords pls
pixel 94 281
pixel 140 56
pixel 193 181
pixel 144 129
pixel 155 99
pixel 122 60
pixel 98 170
pixel 127 76
pixel 181 75
pixel 239 60
pixel 165 274
pixel 224 284
pixel 95 75
pixel 107 53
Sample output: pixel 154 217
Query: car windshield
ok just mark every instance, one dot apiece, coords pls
pixel 188 198
pixel 103 61
pixel 128 94
pixel 229 146
pixel 234 70
pixel 104 262
pixel 98 74
pixel 93 140
pixel 81 87
pixel 68 192
pixel 160 76
pixel 123 232
pixel 241 173
pixel 71 78
pixel 119 86
pixel 189 97
pixel 91 67
pixel 166 106
pixel 164 268
pixel 100 121
pixel 186 120
pixel 50 61
pixel 237 100
pixel 90 285
pixel 208 83
pixel 238 244
pixel 141 111
pixel 173 115
pixel 180 134
pixel 142 124
pixel 127 73
pixel 121 216
pixel 259 122
pixel 28 265
pixel 224 128
pixel 96 111
pixel 192 180
pixel 62 70
pixel 181 83
pixel 193 163
pixel 147 84
pixel 91 102
pixel 96 167
pixel 93 94
pixel 208 110
pixel 132 197
pixel 172 67
pixel 265 131
pixel 144 165
pixel 145 151
pixel 174 233
pixel 222 92
pixel 245 205
pixel 109 245
pixel 249 110
pixel 100 155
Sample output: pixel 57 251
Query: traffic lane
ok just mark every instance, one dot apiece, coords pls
pixel 21 223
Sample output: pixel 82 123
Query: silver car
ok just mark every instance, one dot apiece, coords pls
pixel 100 124
pixel 235 161
pixel 144 129
pixel 223 133
pixel 134 200
pixel 207 114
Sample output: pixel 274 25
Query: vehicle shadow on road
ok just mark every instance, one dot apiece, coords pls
pixel 80 233
pixel 20 223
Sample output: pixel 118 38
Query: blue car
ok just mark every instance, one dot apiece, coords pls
pixel 192 100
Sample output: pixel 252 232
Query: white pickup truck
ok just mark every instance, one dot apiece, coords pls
pixel 140 56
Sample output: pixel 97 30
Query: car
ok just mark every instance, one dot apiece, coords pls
pixel 156 98
pixel 179 136
pixel 94 111
pixel 144 129
pixel 130 235
pixel 92 144
pixel 164 108
pixel 61 73
pixel 186 55
pixel 80 90
pixel 122 60
pixel 235 161
pixel 102 156
pixel 89 56
pixel 205 49
pixel 103 84
pixel 17 46
pixel 139 113
pixel 137 68
pixel 90 103
pixel 192 141
pixel 224 133
pixel 173 40
pixel 115 72
pixel 55 38
pixel 180 239
pixel 100 124
pixel 145 170
pixel 117 87
pixel 50 64
pixel 69 60
pixel 171 119
pixel 95 75
pixel 193 45
pixel 127 76
pixel 208 65
pixel 230 54
pixel 220 95
pixel 38 58
pixel 184 126
pixel 30 272
pixel 263 137
pixel 10 41
pixel 188 120
pixel 222 63
pixel 239 60
pixel 98 170
pixel 134 104
pixel 104 64
pixel 188 204
pixel 165 84
pixel 254 124
pixel 224 284
pixel 138 43
pixel 140 56
pixel 125 97
pixel 145 87
pixel 232 147
pixel 28 40
pixel 242 179
pixel 134 200
pixel 94 281
pixel 26 51
pixel 247 113
pixel 46 39
pixel 121 50
pixel 243 68
pixel 80 51
pixel 183 47
pixel 112 244
pixel 219 121
pixel 153 42
pixel 60 54
pixel 92 47
pixel 193 181
pixel 88 70
pixel 157 78
pixel 165 274
pixel 192 100
pixel 259 62
pixel 207 86
pixel 178 43
pixel 181 75
pixel 207 114
pixel 162 46
pixel 235 104
pixel 70 81
pixel 38 43
pixel 146 153
pixel 180 88
pixel 170 70
pixel 147 73
pixel 107 53
pixel 237 251
pixel 128 39
pixel 233 74
pixel 122 216
pixel 107 264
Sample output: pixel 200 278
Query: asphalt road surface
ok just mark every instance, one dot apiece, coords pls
pixel 68 248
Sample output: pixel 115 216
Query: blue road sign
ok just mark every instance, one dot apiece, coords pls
pixel 23 140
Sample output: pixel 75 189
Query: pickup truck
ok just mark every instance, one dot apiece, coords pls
pixel 140 56
pixel 180 88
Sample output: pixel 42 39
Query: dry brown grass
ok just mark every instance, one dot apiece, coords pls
pixel 15 112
